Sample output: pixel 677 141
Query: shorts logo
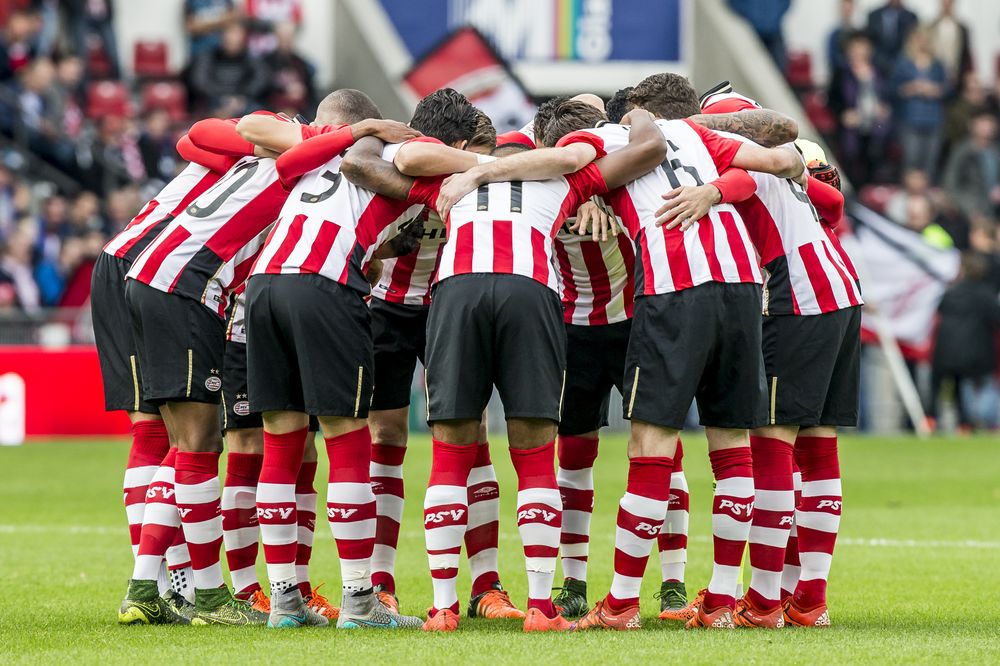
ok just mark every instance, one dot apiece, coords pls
pixel 213 384
pixel 242 408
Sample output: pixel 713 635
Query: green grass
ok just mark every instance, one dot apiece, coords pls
pixel 64 562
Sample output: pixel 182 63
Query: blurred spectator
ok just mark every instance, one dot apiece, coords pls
pixel 857 97
pixel 920 217
pixel 14 198
pixel 76 291
pixel 264 17
pixel 51 228
pixel 121 206
pixel 68 97
pixel 229 71
pixel 89 20
pixel 918 84
pixel 888 28
pixel 15 264
pixel 85 214
pixel 51 275
pixel 765 17
pixel 965 353
pixel 836 43
pixel 38 113
pixel 915 184
pixel 950 42
pixel 993 99
pixel 983 241
pixel 156 144
pixel 970 101
pixel 291 75
pixel 951 218
pixel 204 21
pixel 115 155
pixel 972 175
pixel 17 42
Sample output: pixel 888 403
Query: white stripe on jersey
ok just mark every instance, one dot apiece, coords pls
pixel 597 278
pixel 408 279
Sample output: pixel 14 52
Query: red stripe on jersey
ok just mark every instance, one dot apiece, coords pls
pixel 848 287
pixel 162 251
pixel 503 246
pixel 540 261
pixel 207 181
pixel 320 249
pixel 648 277
pixel 569 293
pixel 599 282
pixel 627 249
pixel 463 249
pixel 138 219
pixel 287 245
pixel 677 258
pixel 246 223
pixel 762 229
pixel 400 279
pixel 819 279
pixel 738 246
pixel 706 234
pixel 835 241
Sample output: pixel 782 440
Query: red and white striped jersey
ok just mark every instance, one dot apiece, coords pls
pixel 508 227
pixel 208 249
pixel 598 283
pixel 157 213
pixel 805 274
pixel 329 226
pixel 524 136
pixel 408 279
pixel 717 248
pixel 236 328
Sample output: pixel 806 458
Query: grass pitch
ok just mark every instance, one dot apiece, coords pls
pixel 920 536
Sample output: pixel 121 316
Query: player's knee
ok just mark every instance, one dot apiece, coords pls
pixel 389 429
pixel 530 433
pixel 245 440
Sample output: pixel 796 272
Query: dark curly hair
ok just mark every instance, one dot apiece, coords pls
pixel 619 105
pixel 669 96
pixel 446 115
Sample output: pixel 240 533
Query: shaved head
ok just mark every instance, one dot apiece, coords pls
pixel 591 99
pixel 346 107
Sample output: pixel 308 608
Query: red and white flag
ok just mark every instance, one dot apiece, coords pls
pixel 467 62
pixel 902 277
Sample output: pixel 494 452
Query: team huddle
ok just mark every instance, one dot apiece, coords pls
pixel 286 282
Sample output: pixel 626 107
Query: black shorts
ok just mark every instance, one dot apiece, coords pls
pixel 181 344
pixel 116 349
pixel 702 343
pixel 487 330
pixel 595 362
pixel 813 368
pixel 236 413
pixel 399 335
pixel 309 346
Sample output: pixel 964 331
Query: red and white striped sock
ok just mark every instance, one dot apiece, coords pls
pixel 818 516
pixel 482 534
pixel 305 513
pixel 181 576
pixel 673 538
pixel 149 445
pixel 792 568
pixel 732 511
pixel 539 520
pixel 446 517
pixel 387 483
pixel 773 508
pixel 199 501
pixel 240 531
pixel 276 509
pixel 641 513
pixel 160 521
pixel 575 477
pixel 350 506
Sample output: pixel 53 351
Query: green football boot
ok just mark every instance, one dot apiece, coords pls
pixel 220 607
pixel 144 605
pixel 179 604
pixel 572 598
pixel 672 596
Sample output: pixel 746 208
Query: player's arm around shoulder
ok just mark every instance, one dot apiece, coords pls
pixel 783 162
pixel 364 166
pixel 645 150
pixel 764 126
pixel 429 157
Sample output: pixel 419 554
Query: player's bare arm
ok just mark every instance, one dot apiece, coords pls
pixel 422 158
pixel 766 127
pixel 781 162
pixel 406 242
pixel 646 149
pixel 278 135
pixel 363 165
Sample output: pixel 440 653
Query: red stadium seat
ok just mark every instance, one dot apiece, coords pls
pixel 98 64
pixel 815 107
pixel 150 60
pixel 108 98
pixel 798 71
pixel 877 197
pixel 168 95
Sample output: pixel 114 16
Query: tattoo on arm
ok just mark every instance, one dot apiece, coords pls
pixel 764 126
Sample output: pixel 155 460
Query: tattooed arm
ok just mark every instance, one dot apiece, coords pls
pixel 765 127
pixel 363 165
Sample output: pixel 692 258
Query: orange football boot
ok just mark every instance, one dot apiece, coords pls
pixel 259 601
pixel 444 620
pixel 748 616
pixel 321 605
pixel 535 620
pixel 688 612
pixel 719 618
pixel 818 616
pixel 603 617
pixel 494 604
pixel 388 599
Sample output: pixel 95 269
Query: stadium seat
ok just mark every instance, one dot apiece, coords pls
pixel 150 60
pixel 168 95
pixel 798 71
pixel 108 98
pixel 815 107
pixel 98 64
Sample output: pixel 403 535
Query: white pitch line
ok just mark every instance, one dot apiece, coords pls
pixel 841 541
